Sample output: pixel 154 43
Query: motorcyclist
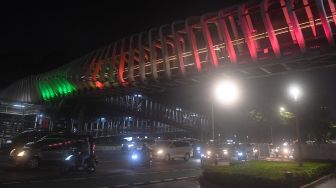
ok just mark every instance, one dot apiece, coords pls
pixel 86 150
pixel 146 152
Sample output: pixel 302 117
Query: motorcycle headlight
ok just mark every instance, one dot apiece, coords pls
pixel 134 156
pixel 160 151
pixel 208 152
pixel 21 154
pixel 198 148
pixel 68 158
pixel 225 152
pixel 255 151
pixel 285 150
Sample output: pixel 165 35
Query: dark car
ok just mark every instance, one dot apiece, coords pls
pixel 50 150
pixel 27 136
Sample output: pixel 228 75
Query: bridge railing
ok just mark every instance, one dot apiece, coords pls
pixel 143 107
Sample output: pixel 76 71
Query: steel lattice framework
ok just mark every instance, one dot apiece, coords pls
pixel 250 35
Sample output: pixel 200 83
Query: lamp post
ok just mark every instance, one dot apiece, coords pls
pixel 225 92
pixel 295 92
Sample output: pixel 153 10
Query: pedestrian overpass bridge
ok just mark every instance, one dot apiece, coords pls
pixel 247 40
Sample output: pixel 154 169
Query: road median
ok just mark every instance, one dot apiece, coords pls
pixel 266 174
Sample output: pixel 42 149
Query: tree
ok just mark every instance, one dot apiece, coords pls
pixel 286 116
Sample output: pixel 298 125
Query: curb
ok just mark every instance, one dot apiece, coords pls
pixel 154 182
pixel 319 181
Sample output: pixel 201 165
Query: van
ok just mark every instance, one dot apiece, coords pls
pixel 170 150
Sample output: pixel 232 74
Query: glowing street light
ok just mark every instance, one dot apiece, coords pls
pixel 226 92
pixel 282 109
pixel 295 92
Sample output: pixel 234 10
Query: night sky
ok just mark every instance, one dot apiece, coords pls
pixel 39 36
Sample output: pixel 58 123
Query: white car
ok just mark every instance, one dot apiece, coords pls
pixel 170 150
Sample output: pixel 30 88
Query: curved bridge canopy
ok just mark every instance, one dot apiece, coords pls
pixel 247 39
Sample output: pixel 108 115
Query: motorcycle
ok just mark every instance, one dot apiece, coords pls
pixel 209 157
pixel 141 158
pixel 73 162
pixel 241 155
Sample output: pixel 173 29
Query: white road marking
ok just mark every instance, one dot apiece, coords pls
pixel 182 178
pixel 121 185
pixel 139 183
pixel 155 181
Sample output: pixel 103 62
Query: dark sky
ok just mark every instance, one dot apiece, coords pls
pixel 39 36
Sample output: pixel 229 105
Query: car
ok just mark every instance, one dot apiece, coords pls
pixel 170 150
pixel 50 150
pixel 27 136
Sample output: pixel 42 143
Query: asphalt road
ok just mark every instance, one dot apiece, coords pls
pixel 113 171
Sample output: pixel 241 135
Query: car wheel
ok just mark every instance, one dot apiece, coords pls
pixel 33 163
pixel 186 157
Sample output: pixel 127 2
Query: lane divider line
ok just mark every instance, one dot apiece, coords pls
pixel 121 185
pixel 155 181
pixel 139 183
pixel 182 178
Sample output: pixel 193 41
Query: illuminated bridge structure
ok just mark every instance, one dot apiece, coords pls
pixel 248 40
pixel 139 115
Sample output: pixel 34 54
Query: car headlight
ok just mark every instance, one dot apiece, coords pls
pixel 208 152
pixel 225 152
pixel 160 151
pixel 255 151
pixel 240 153
pixel 22 153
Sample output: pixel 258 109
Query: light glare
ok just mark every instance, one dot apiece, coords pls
pixel 227 92
pixel 295 92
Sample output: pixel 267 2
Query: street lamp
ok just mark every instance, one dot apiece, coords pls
pixel 226 92
pixel 295 92
pixel 282 109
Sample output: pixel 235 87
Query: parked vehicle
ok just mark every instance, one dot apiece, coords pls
pixel 170 150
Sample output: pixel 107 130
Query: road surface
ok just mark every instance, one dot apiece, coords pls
pixel 113 171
